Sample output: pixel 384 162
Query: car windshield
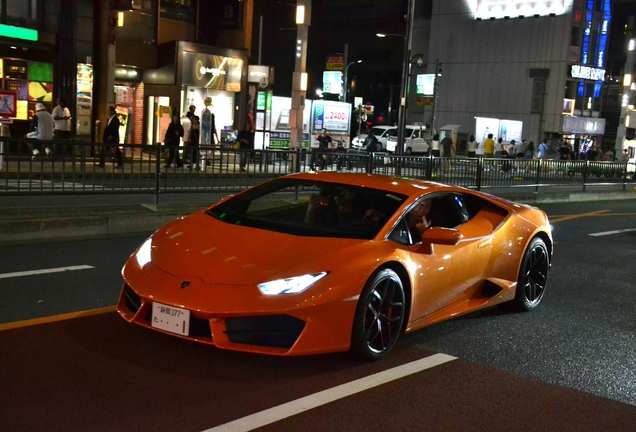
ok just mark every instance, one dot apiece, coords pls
pixel 311 208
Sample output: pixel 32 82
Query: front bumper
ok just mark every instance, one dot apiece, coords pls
pixel 238 318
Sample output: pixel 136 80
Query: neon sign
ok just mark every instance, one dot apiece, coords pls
pixel 586 72
pixel 488 9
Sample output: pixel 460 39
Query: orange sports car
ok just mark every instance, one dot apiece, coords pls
pixel 322 262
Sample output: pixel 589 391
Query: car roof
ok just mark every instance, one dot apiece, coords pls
pixel 401 185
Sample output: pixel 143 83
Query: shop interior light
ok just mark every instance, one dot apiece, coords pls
pixel 632 44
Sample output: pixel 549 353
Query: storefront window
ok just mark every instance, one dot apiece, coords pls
pixel 180 10
pixel 20 12
pixel 147 6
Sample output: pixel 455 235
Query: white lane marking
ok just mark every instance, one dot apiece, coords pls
pixel 306 403
pixel 604 233
pixel 44 271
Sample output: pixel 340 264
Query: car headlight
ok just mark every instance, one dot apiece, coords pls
pixel 292 285
pixel 143 255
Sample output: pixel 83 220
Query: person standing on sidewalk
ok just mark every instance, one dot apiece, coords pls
pixel 172 140
pixel 110 138
pixel 43 126
pixel 489 147
pixel 447 145
pixel 471 147
pixel 187 125
pixel 62 117
pixel 195 136
pixel 245 139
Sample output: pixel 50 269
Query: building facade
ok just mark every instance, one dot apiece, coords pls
pixel 148 58
pixel 521 69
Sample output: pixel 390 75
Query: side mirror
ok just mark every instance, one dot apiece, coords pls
pixel 441 236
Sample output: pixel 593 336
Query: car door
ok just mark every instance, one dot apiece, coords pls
pixel 448 273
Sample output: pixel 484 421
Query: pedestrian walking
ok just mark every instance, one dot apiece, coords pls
pixel 42 128
pixel 245 138
pixel 447 145
pixel 543 150
pixel 172 139
pixel 489 147
pixel 520 149
pixel 499 148
pixel 625 156
pixel 471 147
pixel 110 139
pixel 62 116
pixel 195 136
pixel 435 146
pixel 186 122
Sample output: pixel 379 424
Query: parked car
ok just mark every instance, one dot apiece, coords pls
pixel 414 141
pixel 382 133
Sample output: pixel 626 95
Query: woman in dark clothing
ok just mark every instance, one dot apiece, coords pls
pixel 195 134
pixel 245 138
pixel 172 141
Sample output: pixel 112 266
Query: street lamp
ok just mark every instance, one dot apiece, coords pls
pixel 346 80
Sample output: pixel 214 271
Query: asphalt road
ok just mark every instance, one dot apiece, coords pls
pixel 582 337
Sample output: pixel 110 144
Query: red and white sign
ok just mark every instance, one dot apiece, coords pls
pixel 8 104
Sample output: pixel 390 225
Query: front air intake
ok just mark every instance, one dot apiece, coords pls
pixel 275 331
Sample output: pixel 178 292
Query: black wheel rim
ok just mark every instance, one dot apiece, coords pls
pixel 536 274
pixel 383 315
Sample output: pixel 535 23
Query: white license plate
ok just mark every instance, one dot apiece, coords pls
pixel 170 318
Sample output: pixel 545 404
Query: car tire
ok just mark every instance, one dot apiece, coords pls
pixel 379 316
pixel 409 151
pixel 533 275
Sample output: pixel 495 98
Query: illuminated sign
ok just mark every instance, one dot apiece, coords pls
pixel 586 72
pixel 212 71
pixel 486 9
pixel 425 84
pixel 18 32
pixel 256 73
pixel 583 125
pixel 568 107
pixel 331 82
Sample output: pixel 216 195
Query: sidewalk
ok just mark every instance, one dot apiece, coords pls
pixel 38 218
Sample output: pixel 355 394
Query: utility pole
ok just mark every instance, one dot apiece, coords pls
pixel 627 84
pixel 399 150
pixel 299 80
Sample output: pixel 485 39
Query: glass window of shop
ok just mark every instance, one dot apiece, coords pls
pixel 146 6
pixel 180 10
pixel 20 12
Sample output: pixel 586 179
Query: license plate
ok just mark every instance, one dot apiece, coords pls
pixel 170 318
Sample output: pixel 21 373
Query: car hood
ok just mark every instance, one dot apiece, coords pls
pixel 222 253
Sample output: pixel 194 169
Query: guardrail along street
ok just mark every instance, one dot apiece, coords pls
pixel 73 168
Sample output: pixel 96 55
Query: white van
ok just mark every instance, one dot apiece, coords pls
pixel 382 133
pixel 414 141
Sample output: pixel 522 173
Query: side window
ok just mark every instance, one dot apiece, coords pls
pixel 448 211
pixel 400 233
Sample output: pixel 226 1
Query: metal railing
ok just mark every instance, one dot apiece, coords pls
pixel 73 168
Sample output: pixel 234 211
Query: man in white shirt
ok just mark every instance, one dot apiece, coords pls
pixel 62 117
pixel 42 125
